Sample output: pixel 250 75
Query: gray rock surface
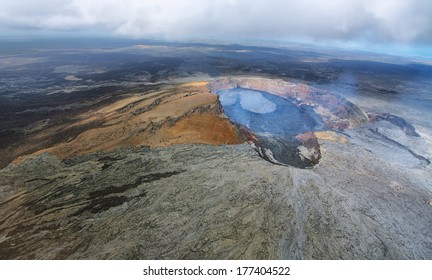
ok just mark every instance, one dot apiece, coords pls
pixel 214 202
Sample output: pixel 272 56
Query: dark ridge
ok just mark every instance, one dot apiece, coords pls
pixel 406 127
pixel 419 157
pixel 98 156
pixel 102 204
pixel 136 183
pixel 148 107
pixel 107 161
pixel 101 200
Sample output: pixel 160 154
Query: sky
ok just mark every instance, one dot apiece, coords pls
pixel 391 23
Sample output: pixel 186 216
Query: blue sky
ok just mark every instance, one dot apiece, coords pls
pixel 404 25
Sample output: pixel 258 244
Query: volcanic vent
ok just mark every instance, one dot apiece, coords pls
pixel 279 119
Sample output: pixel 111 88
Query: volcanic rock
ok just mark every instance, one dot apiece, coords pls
pixel 329 116
pixel 179 114
pixel 300 150
pixel 309 151
pixel 212 202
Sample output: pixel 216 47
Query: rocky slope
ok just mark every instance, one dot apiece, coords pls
pixel 172 114
pixel 213 202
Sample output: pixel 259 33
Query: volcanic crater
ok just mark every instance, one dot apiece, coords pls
pixel 279 119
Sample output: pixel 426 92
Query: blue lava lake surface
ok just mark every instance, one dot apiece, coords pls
pixel 265 113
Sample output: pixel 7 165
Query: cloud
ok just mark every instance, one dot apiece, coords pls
pixel 379 21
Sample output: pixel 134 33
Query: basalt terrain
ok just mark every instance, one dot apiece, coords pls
pixel 217 156
pixel 186 113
